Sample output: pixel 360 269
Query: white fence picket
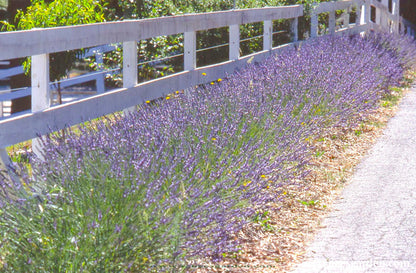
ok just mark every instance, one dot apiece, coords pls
pixel 234 42
pixel 189 50
pixel 129 68
pixel 41 97
pixel 267 35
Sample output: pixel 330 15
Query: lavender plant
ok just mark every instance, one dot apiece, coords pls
pixel 178 179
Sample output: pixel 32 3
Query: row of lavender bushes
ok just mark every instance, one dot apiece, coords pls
pixel 178 179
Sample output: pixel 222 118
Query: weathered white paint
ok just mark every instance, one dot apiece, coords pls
pixel 39 41
pixel 234 37
pixel 189 50
pixel 41 97
pixel 267 35
pixel 367 12
pixel 129 68
pixel 40 82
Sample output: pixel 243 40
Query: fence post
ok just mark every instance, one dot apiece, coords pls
pixel 367 12
pixel 378 18
pixel 1 109
pixel 189 57
pixel 129 68
pixel 267 35
pixel 99 83
pixel 294 29
pixel 395 11
pixel 359 19
pixel 41 96
pixel 234 42
pixel 331 22
pixel 346 21
pixel 314 23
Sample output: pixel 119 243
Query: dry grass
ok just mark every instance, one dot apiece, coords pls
pixel 280 243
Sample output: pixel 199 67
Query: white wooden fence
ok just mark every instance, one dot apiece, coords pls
pixel 97 76
pixel 39 43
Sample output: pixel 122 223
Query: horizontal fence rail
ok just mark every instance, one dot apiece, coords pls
pixel 42 41
pixel 39 43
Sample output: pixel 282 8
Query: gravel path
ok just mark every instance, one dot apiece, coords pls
pixel 373 225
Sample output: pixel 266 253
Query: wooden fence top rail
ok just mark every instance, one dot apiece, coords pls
pixel 19 44
pixel 333 6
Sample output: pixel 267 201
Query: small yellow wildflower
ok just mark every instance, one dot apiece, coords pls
pixel 204 74
pixel 145 259
pixel 212 83
pixel 168 98
pixel 148 101
pixel 268 186
pixel 219 80
pixel 247 183
pixel 213 139
pixel 303 124
pixel 284 193
pixel 177 92
pixel 262 176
